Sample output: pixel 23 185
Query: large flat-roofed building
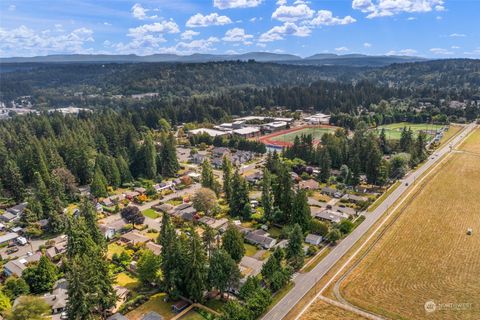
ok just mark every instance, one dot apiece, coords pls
pixel 210 132
pixel 247 132
pixel 275 126
pixel 318 118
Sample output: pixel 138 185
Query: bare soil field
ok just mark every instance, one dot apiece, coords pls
pixel 427 256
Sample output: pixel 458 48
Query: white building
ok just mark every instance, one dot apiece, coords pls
pixel 210 132
pixel 318 118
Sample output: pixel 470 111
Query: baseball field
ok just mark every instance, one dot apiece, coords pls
pixel 393 131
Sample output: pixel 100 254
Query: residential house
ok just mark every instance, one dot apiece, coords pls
pixel 254 177
pixel 354 198
pixel 332 192
pixel 164 207
pixel 213 223
pixel 117 316
pixel 152 315
pixel 309 184
pixel 16 267
pixel 8 237
pixel 122 295
pixel 155 248
pixel 110 227
pixel 197 158
pixel 260 238
pixel 313 239
pixel 107 202
pixel 56 250
pixel 57 300
pixel 14 213
pixel 134 238
pixel 220 152
pixel 130 195
pixel 327 214
pixel 140 190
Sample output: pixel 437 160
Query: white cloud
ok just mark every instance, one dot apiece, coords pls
pixel 439 17
pixel 281 2
pixel 213 19
pixel 411 18
pixel 457 35
pixel 231 52
pixel 255 19
pixel 475 52
pixel 230 4
pixel 403 52
pixel 156 27
pixel 236 35
pixel 326 18
pixel 202 45
pixel 367 45
pixel 107 24
pixel 342 49
pixel 189 34
pixel 23 41
pixel 279 32
pixel 140 12
pixel 261 45
pixel 441 51
pixel 384 8
pixel 454 47
pixel 293 13
pixel 12 7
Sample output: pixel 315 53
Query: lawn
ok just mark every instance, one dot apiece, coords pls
pixel 316 133
pixel 215 304
pixel 426 254
pixel 114 248
pixel 393 131
pixel 250 250
pixel 192 315
pixel 156 304
pixel 125 280
pixel 152 214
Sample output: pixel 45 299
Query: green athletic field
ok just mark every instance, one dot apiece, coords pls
pixel 394 131
pixel 316 133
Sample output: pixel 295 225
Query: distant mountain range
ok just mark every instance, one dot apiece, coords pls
pixel 317 59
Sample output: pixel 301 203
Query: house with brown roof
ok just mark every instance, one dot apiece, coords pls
pixel 309 184
pixel 134 238
pixel 155 248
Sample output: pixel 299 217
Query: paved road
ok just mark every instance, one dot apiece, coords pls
pixel 305 282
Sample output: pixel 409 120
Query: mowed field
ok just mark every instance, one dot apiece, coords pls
pixel 325 311
pixel 426 254
pixel 316 133
pixel 394 131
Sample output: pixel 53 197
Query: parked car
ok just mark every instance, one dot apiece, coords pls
pixel 12 250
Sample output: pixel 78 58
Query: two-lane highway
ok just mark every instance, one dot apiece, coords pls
pixel 305 282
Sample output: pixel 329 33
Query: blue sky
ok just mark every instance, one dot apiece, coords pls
pixel 428 28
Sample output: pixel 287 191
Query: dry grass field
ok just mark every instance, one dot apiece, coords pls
pixel 325 311
pixel 426 255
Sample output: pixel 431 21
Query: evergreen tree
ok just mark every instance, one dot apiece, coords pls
pixel 209 240
pixel 15 287
pixel 42 277
pixel 207 179
pixel 294 251
pixel 227 178
pixel 325 165
pixel 223 272
pixel 149 158
pixel 98 187
pixel 283 194
pixel 240 202
pixel 267 199
pixel 125 174
pixel 232 242
pixel 12 180
pixel 301 210
pixel 29 308
pixel 196 272
pixel 374 159
pixel 168 157
pixel 148 266
pixel 169 254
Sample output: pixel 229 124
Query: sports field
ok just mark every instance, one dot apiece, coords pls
pixel 285 138
pixel 394 131
pixel 426 255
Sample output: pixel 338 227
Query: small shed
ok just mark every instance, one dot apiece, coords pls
pixel 313 239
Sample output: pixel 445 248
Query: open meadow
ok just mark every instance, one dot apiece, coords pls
pixel 426 255
pixel 393 131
